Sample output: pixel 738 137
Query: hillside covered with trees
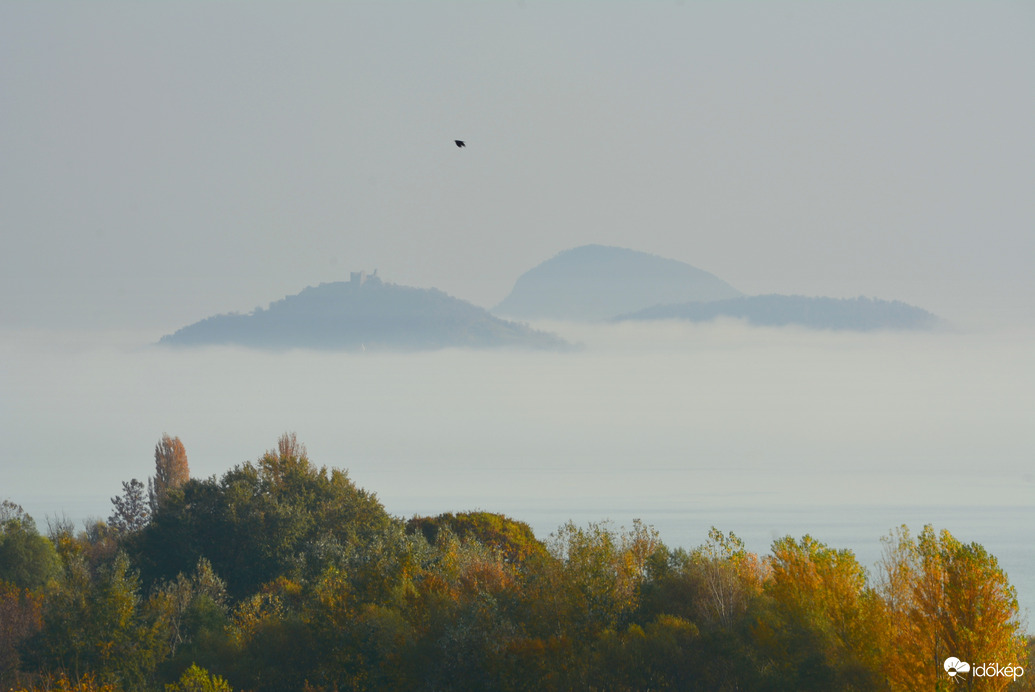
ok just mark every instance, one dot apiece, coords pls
pixel 853 314
pixel 597 282
pixel 283 575
pixel 364 314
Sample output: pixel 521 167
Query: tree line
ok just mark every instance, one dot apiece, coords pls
pixel 282 575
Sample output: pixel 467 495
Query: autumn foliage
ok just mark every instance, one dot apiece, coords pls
pixel 171 469
pixel 282 575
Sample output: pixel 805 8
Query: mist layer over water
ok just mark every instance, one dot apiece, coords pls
pixel 762 432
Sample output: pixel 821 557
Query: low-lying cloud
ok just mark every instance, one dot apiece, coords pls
pixel 663 421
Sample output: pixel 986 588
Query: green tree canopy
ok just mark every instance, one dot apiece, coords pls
pixel 514 539
pixel 281 516
pixel 27 559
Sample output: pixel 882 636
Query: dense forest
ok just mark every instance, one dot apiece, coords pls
pixel 855 314
pixel 364 314
pixel 282 575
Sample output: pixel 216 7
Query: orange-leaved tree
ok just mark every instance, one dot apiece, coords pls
pixel 943 599
pixel 171 470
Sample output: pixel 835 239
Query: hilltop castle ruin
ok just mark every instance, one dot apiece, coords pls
pixel 361 277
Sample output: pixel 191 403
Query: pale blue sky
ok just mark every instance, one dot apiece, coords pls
pixel 167 161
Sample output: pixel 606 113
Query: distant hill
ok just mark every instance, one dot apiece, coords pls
pixel 364 313
pixel 856 314
pixel 596 282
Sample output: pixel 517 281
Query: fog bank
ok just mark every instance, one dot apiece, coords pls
pixel 758 430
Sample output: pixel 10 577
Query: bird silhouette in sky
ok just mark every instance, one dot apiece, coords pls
pixel 460 142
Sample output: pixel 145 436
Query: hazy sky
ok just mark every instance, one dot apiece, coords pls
pixel 160 162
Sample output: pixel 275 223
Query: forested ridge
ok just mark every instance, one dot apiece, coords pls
pixel 368 315
pixel 283 575
pixel 855 314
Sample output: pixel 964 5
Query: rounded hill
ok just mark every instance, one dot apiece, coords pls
pixel 598 282
pixel 364 314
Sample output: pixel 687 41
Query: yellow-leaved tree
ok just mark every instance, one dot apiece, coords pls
pixel 945 598
pixel 171 470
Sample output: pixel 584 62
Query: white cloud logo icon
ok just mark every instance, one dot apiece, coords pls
pixel 953 666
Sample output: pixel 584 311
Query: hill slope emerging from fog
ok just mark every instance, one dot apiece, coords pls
pixel 596 282
pixel 855 314
pixel 364 315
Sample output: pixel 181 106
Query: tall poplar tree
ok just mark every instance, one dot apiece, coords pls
pixel 171 470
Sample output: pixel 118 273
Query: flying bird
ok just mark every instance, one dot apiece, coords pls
pixel 460 142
